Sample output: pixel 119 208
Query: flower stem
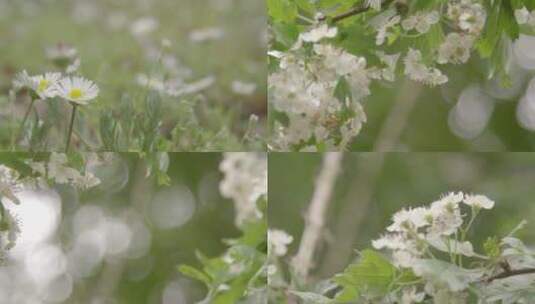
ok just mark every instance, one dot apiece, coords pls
pixel 26 115
pixel 70 128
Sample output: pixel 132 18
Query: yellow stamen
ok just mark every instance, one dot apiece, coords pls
pixel 75 93
pixel 43 85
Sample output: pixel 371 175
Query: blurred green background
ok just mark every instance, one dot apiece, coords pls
pixel 372 186
pixel 122 241
pixel 119 39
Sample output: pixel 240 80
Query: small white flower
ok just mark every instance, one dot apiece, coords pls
pixel 45 85
pixel 421 21
pixel 522 15
pixel 455 49
pixel 23 81
pixel 382 24
pixel 374 4
pixel 418 71
pixel 318 33
pixel 243 88
pixel 278 241
pixel 407 219
pixel 478 201
pixel 77 90
pixel 390 241
pixel 388 72
pixel 411 296
pixel 206 34
pixel 468 16
pixel 61 52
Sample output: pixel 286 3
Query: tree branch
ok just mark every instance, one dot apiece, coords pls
pixel 315 217
pixel 355 11
pixel 511 273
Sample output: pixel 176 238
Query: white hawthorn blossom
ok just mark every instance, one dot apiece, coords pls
pixel 478 201
pixel 382 23
pixel 411 295
pixel 278 241
pixel 318 33
pixel 421 21
pixel 374 4
pixel 523 16
pixel 57 169
pixel 467 15
pixel 415 230
pixel 416 70
pixel 455 49
pixel 305 93
pixel 245 181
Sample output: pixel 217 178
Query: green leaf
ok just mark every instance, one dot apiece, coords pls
pixel 373 275
pixel 282 10
pixel 312 298
pixel 194 274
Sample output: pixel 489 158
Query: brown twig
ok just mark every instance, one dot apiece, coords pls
pixel 510 273
pixel 355 11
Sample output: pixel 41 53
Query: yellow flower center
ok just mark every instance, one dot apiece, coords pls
pixel 75 93
pixel 43 85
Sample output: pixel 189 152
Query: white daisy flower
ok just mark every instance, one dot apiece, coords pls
pixel 22 80
pixel 77 90
pixel 45 85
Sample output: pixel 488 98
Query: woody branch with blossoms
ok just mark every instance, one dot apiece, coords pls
pixel 425 256
pixel 325 55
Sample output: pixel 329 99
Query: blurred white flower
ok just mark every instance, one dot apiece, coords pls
pixel 243 88
pixel 206 34
pixel 77 90
pixel 318 33
pixel 478 201
pixel 467 15
pixel 410 295
pixel 374 4
pixel 143 26
pixel 245 181
pixel 421 21
pixel 278 241
pixel 382 23
pixel 44 86
pixel 455 48
pixel 418 71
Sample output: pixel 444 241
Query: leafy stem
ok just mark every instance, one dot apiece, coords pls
pixel 26 115
pixel 69 134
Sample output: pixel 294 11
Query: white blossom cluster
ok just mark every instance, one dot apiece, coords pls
pixel 304 90
pixel 525 17
pixel 414 230
pixel 278 241
pixel 57 170
pixel 245 181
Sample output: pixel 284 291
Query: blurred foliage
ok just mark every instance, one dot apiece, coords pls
pixel 133 184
